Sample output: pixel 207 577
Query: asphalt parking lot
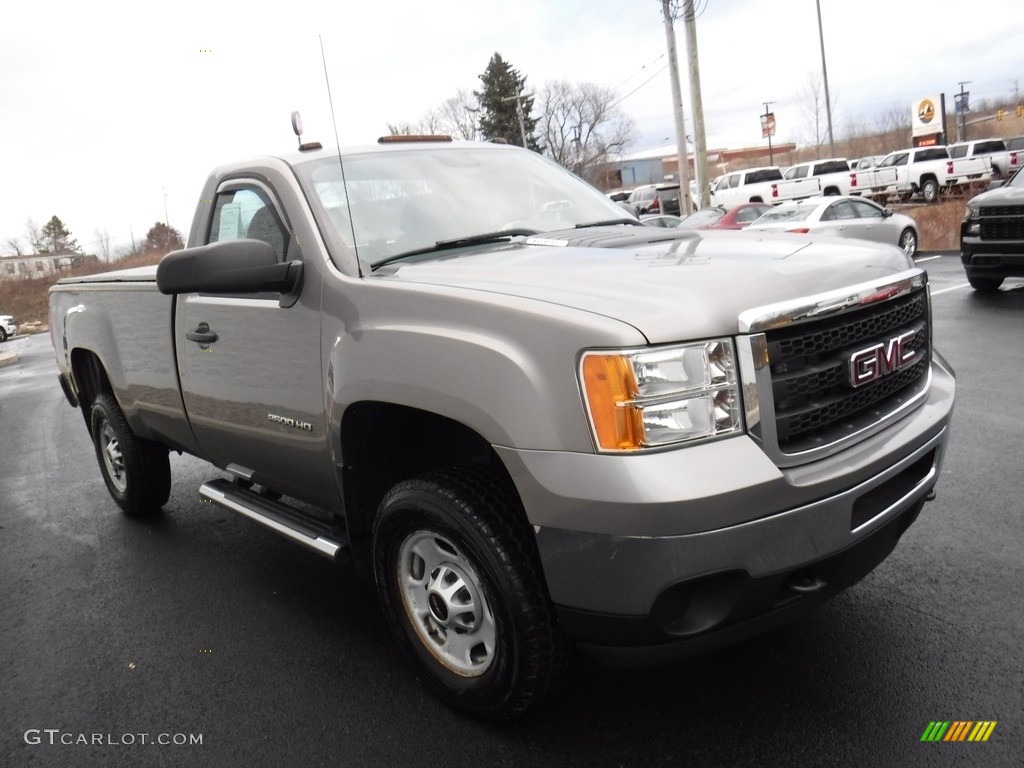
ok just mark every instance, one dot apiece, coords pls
pixel 200 639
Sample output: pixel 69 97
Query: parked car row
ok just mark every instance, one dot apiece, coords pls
pixel 8 327
pixel 835 216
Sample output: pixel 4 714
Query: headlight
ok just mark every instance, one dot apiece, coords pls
pixel 650 398
pixel 971 211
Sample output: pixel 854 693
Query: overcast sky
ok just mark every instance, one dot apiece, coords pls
pixel 112 113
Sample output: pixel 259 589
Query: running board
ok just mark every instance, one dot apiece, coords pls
pixel 276 516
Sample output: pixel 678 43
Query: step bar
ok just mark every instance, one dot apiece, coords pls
pixel 276 516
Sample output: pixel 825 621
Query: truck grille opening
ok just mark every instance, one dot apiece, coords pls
pixel 1002 229
pixel 816 402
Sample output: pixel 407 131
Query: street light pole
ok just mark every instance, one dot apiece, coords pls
pixel 824 75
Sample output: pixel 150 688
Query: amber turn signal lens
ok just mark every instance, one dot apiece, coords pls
pixel 610 387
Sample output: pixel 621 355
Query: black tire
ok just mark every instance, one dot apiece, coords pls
pixel 3 335
pixel 908 241
pixel 137 472
pixel 930 190
pixel 465 532
pixel 985 284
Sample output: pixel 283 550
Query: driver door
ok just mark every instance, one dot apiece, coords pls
pixel 252 382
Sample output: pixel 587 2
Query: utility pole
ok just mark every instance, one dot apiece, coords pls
pixel 700 144
pixel 166 220
pixel 685 204
pixel 824 75
pixel 768 129
pixel 961 111
pixel 519 112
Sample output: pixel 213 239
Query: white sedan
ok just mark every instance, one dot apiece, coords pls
pixel 841 217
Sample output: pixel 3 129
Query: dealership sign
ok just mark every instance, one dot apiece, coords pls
pixel 928 120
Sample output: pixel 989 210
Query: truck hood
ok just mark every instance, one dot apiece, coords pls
pixel 1000 196
pixel 671 286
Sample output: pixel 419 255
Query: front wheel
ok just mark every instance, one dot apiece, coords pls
pixel 985 284
pixel 908 241
pixel 3 335
pixel 460 581
pixel 137 472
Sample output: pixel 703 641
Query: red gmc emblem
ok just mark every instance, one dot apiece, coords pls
pixel 871 364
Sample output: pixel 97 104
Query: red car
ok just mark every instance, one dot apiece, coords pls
pixel 739 217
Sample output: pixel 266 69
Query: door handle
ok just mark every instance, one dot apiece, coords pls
pixel 202 334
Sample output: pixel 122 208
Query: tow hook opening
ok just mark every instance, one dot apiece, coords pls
pixel 804 582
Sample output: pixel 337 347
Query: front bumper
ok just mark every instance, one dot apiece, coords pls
pixel 658 556
pixel 992 258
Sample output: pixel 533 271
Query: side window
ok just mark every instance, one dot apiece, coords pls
pixel 733 181
pixel 246 212
pixel 959 151
pixel 865 210
pixel 842 211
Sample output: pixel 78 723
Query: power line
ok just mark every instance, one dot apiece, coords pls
pixel 645 82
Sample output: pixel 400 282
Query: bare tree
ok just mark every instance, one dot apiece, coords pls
pixel 459 114
pixel 14 246
pixel 581 126
pixel 404 128
pixel 36 240
pixel 103 244
pixel 893 124
pixel 815 111
pixel 456 117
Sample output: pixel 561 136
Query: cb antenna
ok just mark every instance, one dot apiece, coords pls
pixel 341 163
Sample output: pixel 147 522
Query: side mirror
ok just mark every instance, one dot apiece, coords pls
pixel 886 213
pixel 231 266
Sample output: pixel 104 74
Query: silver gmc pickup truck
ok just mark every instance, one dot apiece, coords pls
pixel 535 424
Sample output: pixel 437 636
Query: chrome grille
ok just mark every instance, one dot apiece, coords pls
pixel 814 401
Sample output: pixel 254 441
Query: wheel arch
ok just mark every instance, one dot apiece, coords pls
pixel 89 379
pixel 383 443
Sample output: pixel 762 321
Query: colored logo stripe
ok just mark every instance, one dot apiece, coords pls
pixel 958 730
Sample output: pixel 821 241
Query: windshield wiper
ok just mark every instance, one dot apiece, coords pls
pixel 459 242
pixel 608 223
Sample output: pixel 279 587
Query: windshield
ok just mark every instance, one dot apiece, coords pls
pixel 407 201
pixel 776 215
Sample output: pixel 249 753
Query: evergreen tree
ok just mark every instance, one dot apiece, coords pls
pixel 499 118
pixel 56 238
pixel 162 238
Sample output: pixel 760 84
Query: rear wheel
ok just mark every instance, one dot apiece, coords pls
pixel 460 582
pixel 930 190
pixel 908 241
pixel 985 284
pixel 137 472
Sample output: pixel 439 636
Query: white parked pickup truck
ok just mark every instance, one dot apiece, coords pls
pixel 927 171
pixel 1003 161
pixel 833 175
pixel 761 185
